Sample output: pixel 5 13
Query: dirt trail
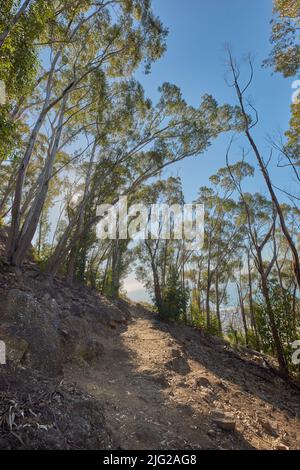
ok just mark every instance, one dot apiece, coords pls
pixel 159 384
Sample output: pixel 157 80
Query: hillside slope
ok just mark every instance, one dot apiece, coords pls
pixel 84 372
pixel 169 387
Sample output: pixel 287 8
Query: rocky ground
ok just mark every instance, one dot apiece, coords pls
pixel 172 387
pixel 86 373
pixel 39 413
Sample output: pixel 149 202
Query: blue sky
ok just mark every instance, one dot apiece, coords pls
pixel 196 61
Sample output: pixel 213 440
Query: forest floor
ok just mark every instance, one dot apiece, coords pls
pixel 167 386
pixel 84 373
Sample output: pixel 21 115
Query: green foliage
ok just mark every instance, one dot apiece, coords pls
pixel 235 336
pixel 8 134
pixel 19 64
pixel 175 298
pixel 108 288
pixel 287 318
pixel 19 55
pixel 285 56
pixel 197 318
pixel 94 57
pixel 292 149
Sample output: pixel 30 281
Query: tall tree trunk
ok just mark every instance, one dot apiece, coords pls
pixel 265 173
pixel 218 303
pixel 105 274
pixel 243 314
pixel 116 268
pixel 40 236
pixel 75 228
pixel 16 212
pixel 207 306
pixel 208 286
pixel 285 230
pixel 294 313
pixel 157 291
pixel 283 366
pixel 251 307
pixel 71 265
pixel 32 219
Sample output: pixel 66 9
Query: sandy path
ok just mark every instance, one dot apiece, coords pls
pixel 159 384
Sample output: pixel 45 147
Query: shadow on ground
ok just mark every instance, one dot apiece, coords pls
pixel 147 405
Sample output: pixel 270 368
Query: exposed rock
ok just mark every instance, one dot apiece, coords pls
pixel 183 383
pixel 280 446
pixel 176 352
pixel 49 322
pixel 202 382
pixel 269 427
pixel 224 420
pixel 76 309
pixel 147 431
pixel 178 365
pixel 222 385
pixel 16 348
pixel 32 328
pixel 92 349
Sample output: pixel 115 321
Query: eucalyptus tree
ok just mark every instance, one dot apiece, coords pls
pixel 285 54
pixel 22 24
pixel 248 124
pixel 161 255
pixel 251 277
pixel 155 137
pixel 86 37
pixel 260 216
pixel 11 15
pixel 285 59
pixel 242 295
pixel 285 285
pixel 222 243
